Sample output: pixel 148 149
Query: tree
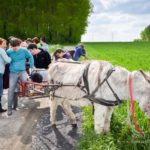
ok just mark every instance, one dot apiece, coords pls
pixel 61 21
pixel 145 34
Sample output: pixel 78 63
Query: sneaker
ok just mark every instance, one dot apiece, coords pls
pixel 2 110
pixel 9 112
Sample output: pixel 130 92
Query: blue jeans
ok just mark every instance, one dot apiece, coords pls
pixel 1 84
pixel 13 79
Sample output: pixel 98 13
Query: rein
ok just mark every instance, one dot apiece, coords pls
pixel 132 106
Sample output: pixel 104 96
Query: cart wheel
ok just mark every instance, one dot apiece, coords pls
pixel 15 101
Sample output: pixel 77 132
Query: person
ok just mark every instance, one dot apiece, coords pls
pixel 79 51
pixel 24 44
pixel 4 59
pixel 42 59
pixel 59 54
pixel 44 45
pixel 36 41
pixel 17 68
pixel 27 64
pixel 29 41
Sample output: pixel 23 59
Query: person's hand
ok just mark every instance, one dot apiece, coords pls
pixel 31 70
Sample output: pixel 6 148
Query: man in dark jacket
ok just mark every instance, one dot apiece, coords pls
pixel 42 58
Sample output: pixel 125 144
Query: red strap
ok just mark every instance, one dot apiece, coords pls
pixel 132 107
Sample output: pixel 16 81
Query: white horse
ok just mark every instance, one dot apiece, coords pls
pixel 92 74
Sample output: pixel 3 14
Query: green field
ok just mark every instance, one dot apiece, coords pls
pixel 132 56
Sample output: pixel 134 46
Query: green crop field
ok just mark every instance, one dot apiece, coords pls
pixel 123 136
pixel 132 55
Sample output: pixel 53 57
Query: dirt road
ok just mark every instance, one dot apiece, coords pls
pixel 29 128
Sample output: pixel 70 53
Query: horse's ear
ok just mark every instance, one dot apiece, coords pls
pixel 145 75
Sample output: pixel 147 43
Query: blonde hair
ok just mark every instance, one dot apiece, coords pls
pixel 2 40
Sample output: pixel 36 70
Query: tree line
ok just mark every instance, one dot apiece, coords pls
pixel 60 21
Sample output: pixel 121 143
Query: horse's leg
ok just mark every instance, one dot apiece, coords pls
pixel 108 119
pixel 53 107
pixel 67 108
pixel 100 115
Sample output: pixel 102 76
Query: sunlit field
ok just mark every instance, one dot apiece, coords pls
pixel 123 136
pixel 131 55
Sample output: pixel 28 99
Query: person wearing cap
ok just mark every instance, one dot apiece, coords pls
pixel 17 68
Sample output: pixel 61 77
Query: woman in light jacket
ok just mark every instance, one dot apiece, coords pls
pixel 4 59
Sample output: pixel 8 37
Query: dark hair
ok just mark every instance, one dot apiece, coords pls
pixel 36 40
pixel 14 42
pixel 2 40
pixel 81 45
pixel 43 39
pixel 32 46
pixel 36 77
pixel 59 50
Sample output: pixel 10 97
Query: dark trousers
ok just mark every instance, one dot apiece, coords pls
pixel 1 84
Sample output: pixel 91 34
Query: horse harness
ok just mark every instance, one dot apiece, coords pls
pixel 86 90
pixel 92 97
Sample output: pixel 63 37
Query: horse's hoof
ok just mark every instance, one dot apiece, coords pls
pixel 74 125
pixel 53 125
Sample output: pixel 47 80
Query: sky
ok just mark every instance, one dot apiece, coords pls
pixel 117 20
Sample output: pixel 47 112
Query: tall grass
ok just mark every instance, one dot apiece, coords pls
pixel 122 136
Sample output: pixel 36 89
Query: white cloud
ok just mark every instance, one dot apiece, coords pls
pixel 109 3
pixel 116 25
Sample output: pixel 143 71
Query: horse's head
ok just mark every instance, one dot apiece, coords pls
pixel 141 90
